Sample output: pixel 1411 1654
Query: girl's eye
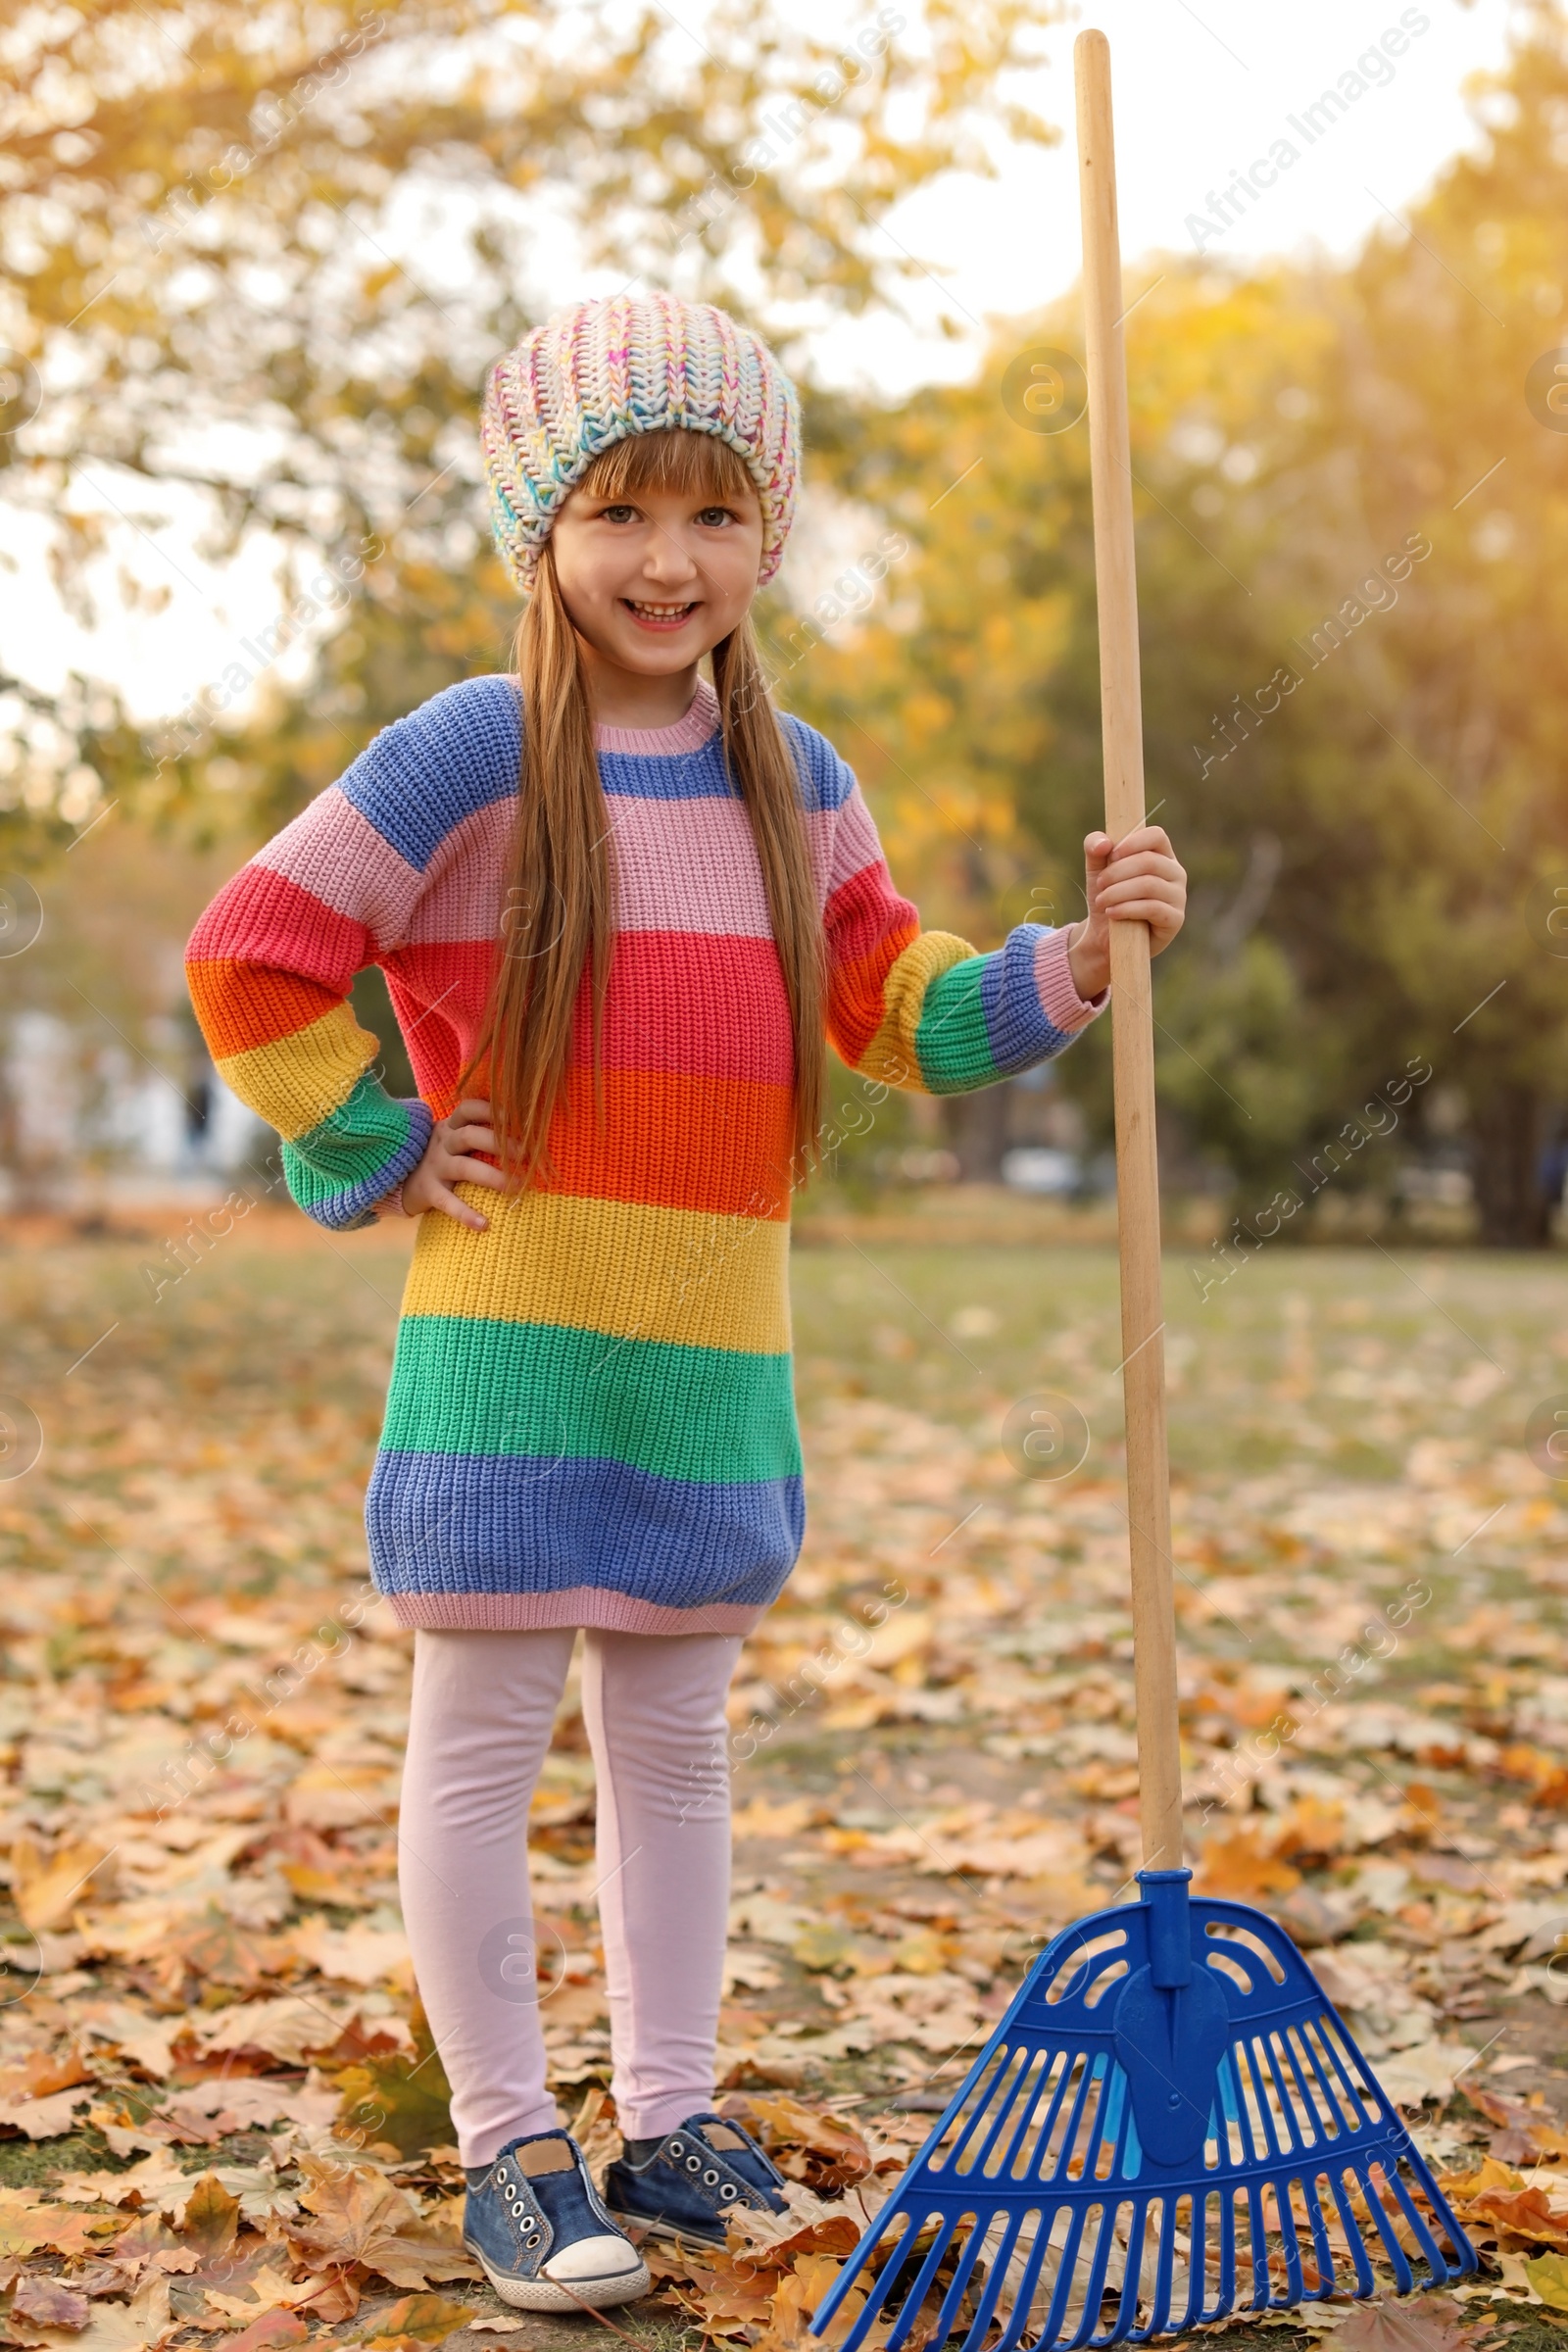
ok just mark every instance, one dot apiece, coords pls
pixel 714 517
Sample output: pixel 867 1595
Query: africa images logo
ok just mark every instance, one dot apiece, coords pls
pixel 1373 70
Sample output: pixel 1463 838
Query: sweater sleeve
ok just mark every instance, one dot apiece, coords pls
pixel 276 954
pixel 923 1010
pixel 270 964
pixel 269 968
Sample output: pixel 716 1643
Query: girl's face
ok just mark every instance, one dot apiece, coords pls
pixel 655 578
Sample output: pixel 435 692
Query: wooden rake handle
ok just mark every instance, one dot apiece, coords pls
pixel 1143 1319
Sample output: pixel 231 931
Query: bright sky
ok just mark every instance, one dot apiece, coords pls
pixel 1199 93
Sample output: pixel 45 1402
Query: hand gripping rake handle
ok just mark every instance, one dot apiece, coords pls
pixel 1143 1321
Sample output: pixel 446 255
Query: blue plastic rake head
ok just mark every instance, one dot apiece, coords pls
pixel 1170 2091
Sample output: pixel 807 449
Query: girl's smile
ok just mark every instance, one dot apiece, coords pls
pixel 658 617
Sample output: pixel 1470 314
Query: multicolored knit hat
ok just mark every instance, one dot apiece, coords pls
pixel 635 363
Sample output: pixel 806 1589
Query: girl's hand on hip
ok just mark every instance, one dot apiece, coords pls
pixel 446 1162
pixel 1137 879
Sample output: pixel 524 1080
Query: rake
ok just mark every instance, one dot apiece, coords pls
pixel 1171 2121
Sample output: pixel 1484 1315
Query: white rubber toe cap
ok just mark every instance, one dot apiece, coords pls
pixel 596 2258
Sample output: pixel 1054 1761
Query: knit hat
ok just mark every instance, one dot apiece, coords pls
pixel 635 363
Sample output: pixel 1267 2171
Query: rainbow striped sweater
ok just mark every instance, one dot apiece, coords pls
pixel 591 1416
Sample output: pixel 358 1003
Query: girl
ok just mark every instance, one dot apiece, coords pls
pixel 615 937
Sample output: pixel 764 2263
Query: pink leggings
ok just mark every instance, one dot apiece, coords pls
pixel 482 1712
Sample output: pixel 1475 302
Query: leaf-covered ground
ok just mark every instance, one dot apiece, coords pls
pixel 220 2122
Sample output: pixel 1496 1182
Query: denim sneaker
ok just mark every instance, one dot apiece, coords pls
pixel 696 2177
pixel 534 2219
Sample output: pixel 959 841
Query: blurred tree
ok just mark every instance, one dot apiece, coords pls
pixel 266 258
pixel 1352 491
pixel 969 701
pixel 1428 767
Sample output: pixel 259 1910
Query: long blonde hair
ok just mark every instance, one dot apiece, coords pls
pixel 556 918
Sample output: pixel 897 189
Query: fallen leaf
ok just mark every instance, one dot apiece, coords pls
pixel 95 2276
pixel 47 1888
pixel 1544 1773
pixel 796 2297
pixel 27 2226
pixel 1423 2070
pixel 1527 2131
pixel 422 2319
pixel 402 2096
pixel 214 1949
pixel 1242 1867
pixel 765 1818
pixel 210 2218
pixel 205 2111
pixel 361 2217
pixel 44 2119
pixel 271 2330
pixel 597 2131
pixel 926 1953
pixel 804 2143
pixel 287 2029
pixel 338 2300
pixel 352 1956
pixel 1313 1828
pixel 43 2071
pixel 820 1945
pixel 1413 2323
pixel 1523 2211
pixel 153 2132
pixel 1489 2174
pixel 1548 2274
pixel 265 2290
pixel 157 2181
pixel 724 2302
pixel 340 1796
pixel 49 2301
pixel 150 2240
pixel 140 2326
pixel 148 2041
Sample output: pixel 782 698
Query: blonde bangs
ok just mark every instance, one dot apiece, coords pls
pixel 691 464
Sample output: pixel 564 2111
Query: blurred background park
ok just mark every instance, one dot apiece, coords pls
pixel 257 263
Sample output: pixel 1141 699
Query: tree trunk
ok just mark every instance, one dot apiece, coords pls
pixel 1508 1133
pixel 977 1131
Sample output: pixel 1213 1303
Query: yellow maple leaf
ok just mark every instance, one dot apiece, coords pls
pixel 1548 2274
pixel 47 1888
pixel 1242 1866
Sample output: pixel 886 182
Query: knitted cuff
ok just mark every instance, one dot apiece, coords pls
pixel 373 1127
pixel 1064 1007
